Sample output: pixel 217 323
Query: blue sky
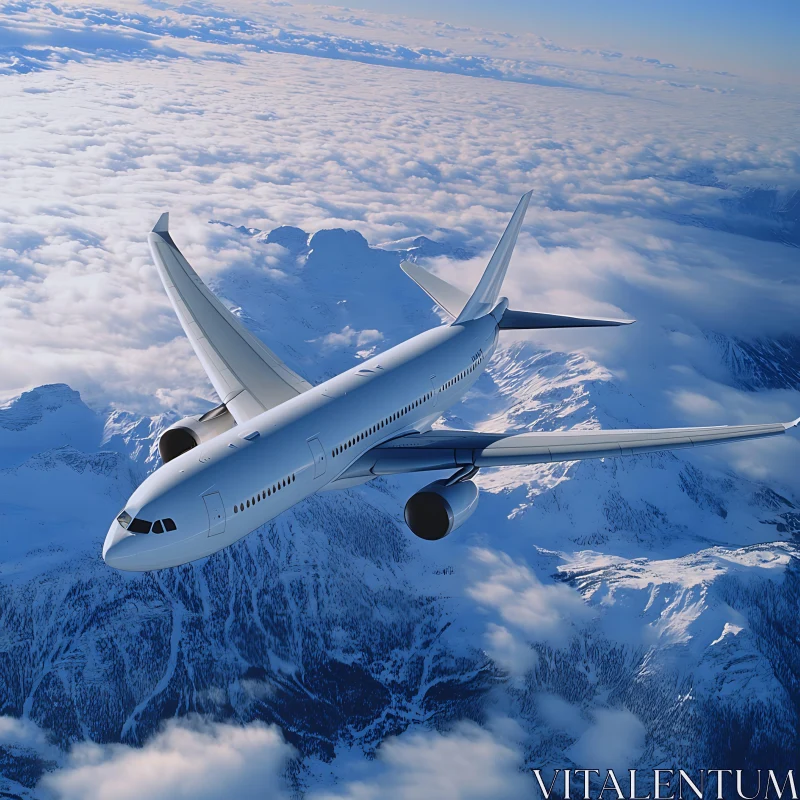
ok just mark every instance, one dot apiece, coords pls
pixel 735 35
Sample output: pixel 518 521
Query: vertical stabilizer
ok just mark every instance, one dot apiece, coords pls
pixel 484 298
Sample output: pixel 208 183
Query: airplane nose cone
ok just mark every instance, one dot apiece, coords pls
pixel 118 544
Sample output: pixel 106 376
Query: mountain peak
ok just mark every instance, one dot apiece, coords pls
pixel 28 408
pixel 48 416
pixel 295 240
pixel 339 241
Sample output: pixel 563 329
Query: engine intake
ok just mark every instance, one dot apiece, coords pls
pixel 438 509
pixel 175 442
pixel 192 431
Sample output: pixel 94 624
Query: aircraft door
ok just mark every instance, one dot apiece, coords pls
pixel 435 391
pixel 318 454
pixel 216 513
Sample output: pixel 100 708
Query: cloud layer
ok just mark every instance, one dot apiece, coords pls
pixel 198 759
pixel 629 183
pixel 466 763
pixel 193 760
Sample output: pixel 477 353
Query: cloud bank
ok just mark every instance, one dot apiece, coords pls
pixel 193 759
pixel 633 186
pixel 467 763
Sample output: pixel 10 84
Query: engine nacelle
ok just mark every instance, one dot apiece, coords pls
pixel 192 431
pixel 438 509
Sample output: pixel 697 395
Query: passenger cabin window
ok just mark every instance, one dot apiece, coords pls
pixel 262 494
pixel 394 416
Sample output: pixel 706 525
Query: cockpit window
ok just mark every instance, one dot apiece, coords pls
pixel 124 519
pixel 140 526
pixel 158 527
pixel 169 524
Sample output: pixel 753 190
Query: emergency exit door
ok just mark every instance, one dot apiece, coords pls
pixel 216 513
pixel 318 454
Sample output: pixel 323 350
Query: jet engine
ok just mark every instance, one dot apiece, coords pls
pixel 192 431
pixel 438 509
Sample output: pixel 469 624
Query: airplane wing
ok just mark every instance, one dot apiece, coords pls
pixel 247 375
pixel 445 449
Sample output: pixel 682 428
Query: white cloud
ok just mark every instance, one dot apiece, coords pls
pixel 512 655
pixel 467 763
pixel 24 733
pixel 347 337
pixel 190 759
pixel 559 714
pixel 541 612
pixel 696 404
pixel 614 741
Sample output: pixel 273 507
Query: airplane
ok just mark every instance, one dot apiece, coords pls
pixel 275 439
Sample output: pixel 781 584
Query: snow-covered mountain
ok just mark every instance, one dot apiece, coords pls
pixel 661 589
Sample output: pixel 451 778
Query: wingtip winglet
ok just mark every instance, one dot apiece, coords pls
pixel 162 226
pixel 793 424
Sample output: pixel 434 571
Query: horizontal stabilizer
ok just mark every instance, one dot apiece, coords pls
pixel 531 320
pixel 442 293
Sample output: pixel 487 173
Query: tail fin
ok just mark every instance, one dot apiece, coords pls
pixel 484 298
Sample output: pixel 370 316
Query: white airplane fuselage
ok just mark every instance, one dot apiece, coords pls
pixel 223 489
